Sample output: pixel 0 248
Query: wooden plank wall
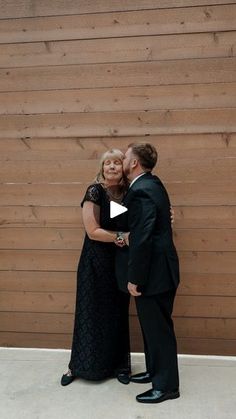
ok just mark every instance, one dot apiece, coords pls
pixel 77 77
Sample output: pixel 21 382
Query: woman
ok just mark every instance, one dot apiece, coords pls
pixel 100 347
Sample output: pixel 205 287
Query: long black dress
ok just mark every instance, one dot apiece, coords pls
pixel 100 347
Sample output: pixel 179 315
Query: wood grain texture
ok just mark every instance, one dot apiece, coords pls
pixel 72 238
pixel 36 281
pixel 199 284
pixel 109 124
pixel 59 302
pixel 192 217
pixel 63 323
pixel 172 146
pixel 32 8
pixel 59 340
pixel 67 195
pixel 169 170
pixel 192 96
pixel 170 72
pixel 191 262
pixel 79 78
pixel 119 24
pixel 126 49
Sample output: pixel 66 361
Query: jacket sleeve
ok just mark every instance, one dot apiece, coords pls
pixel 142 220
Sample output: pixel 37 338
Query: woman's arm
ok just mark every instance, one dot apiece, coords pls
pixel 91 217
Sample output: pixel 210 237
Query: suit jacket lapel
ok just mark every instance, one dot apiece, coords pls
pixel 146 176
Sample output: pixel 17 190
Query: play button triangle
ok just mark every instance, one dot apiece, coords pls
pixel 116 209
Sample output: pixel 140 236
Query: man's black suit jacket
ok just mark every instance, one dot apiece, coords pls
pixel 151 260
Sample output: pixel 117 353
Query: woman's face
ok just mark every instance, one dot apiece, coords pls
pixel 112 169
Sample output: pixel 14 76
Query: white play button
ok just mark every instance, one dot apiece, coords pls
pixel 116 209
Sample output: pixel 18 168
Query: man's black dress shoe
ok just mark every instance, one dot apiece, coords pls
pixel 141 378
pixel 157 396
pixel 67 379
pixel 123 378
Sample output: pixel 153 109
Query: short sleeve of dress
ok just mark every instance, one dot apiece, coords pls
pixel 93 194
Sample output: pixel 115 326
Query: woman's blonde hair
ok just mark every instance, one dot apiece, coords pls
pixel 113 153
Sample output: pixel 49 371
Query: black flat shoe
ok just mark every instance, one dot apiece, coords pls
pixel 67 379
pixel 157 396
pixel 141 378
pixel 123 378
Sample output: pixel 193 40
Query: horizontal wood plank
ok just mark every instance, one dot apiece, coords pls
pixel 170 170
pixel 205 328
pixel 195 306
pixel 63 323
pixel 205 306
pixel 194 194
pixel 170 72
pixel 171 146
pixel 205 239
pixel 58 341
pixel 198 346
pixel 127 49
pixel 192 96
pixel 39 260
pixel 41 238
pixel 35 340
pixel 207 284
pixel 116 24
pixel 78 78
pixel 37 281
pixel 72 238
pixel 29 8
pixel 37 302
pixel 39 216
pixel 187 345
pixel 67 195
pixel 191 283
pixel 204 217
pixel 207 262
pixel 119 123
pixel 219 217
pixel 185 306
pixel 214 284
pixel 66 261
pixel 189 327
pixel 36 322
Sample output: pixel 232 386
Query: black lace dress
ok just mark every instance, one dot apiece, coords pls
pixel 100 347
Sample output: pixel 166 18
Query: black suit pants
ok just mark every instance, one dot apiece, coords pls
pixel 154 314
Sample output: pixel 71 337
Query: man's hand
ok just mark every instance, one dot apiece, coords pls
pixel 126 237
pixel 132 288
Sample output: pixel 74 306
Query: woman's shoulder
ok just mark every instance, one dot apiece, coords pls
pixel 94 187
pixel 93 193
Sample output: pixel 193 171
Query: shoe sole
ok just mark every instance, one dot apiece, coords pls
pixel 174 396
pixel 123 382
pixel 67 382
pixel 141 382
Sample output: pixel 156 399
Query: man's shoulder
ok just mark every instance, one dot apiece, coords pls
pixel 149 189
pixel 147 183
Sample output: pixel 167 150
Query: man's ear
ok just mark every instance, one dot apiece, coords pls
pixel 134 163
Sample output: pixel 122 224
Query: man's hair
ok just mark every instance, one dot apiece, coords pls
pixel 146 154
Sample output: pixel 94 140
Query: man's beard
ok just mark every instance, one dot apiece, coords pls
pixel 126 172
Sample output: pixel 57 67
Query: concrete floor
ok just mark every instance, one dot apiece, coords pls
pixel 30 389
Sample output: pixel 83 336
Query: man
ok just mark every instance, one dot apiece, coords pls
pixel 149 268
